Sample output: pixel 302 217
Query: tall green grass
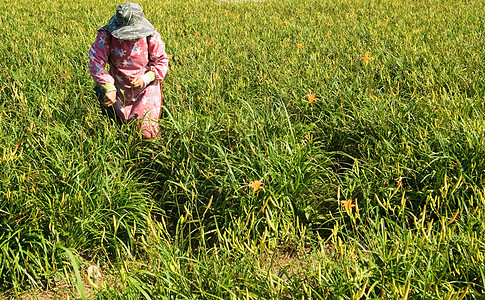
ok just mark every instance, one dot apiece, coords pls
pixel 396 128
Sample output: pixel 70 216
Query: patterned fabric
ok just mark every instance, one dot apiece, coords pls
pixel 129 23
pixel 127 60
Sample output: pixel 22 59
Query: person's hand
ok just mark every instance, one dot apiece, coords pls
pixel 110 98
pixel 138 82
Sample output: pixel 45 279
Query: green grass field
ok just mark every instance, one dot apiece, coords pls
pixel 363 120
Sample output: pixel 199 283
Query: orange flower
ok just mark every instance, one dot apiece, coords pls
pixel 327 35
pixel 367 59
pixel 311 97
pixel 209 43
pixel 347 204
pixel 170 56
pixel 203 21
pixel 286 22
pixel 328 24
pixel 196 34
pixel 226 11
pixel 361 9
pixel 299 46
pixel 256 185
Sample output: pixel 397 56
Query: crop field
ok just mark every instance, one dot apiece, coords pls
pixel 318 149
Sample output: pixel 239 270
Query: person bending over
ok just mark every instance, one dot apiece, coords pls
pixel 135 53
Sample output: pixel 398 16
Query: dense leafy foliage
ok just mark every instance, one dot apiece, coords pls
pixel 310 149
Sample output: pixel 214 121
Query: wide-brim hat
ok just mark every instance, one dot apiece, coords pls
pixel 129 23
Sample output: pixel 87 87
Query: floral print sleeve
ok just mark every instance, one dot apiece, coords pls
pixel 158 59
pixel 98 57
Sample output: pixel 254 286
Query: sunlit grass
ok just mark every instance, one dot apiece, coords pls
pixel 309 150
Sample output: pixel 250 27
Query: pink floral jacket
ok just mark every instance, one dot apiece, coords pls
pixel 128 59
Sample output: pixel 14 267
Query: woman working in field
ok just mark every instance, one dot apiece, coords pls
pixel 137 63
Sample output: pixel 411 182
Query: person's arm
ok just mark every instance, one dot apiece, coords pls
pixel 98 57
pixel 157 65
pixel 158 59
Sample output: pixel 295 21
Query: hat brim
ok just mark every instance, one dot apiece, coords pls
pixel 127 32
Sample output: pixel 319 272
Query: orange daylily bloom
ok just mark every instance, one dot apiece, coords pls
pixel 347 204
pixel 196 34
pixel 311 97
pixel 209 43
pixel 170 56
pixel 327 35
pixel 256 185
pixel 328 24
pixel 286 22
pixel 367 59
pixel 226 11
pixel 299 45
